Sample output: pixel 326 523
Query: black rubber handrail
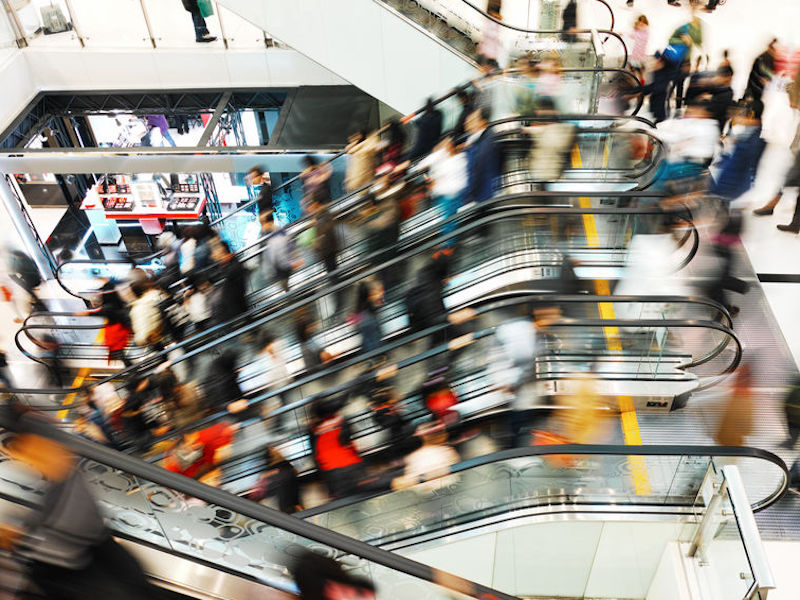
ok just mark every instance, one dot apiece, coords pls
pixel 305 221
pixel 540 32
pixel 297 295
pixel 213 496
pixel 594 450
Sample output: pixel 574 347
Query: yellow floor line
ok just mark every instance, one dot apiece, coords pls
pixel 628 420
pixel 77 382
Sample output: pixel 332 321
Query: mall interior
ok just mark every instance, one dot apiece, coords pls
pixel 408 299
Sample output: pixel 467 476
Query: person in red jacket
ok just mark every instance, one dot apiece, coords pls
pixel 199 451
pixel 336 457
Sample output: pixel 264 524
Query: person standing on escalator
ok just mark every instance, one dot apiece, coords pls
pixel 201 33
pixel 258 176
pixel 230 300
pixel 484 162
pixel 337 458
pixel 429 129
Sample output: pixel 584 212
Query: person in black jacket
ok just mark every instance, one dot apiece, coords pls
pixel 231 298
pixel 201 33
pixel 429 130
pixel 279 480
pixel 257 176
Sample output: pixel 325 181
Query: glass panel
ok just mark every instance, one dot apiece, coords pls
pixel 239 32
pixel 112 24
pixel 172 24
pixel 54 23
pixel 218 535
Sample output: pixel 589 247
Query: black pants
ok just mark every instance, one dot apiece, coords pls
pixel 200 29
pixel 113 573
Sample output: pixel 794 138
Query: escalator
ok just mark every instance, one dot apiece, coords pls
pixel 513 257
pixel 418 54
pixel 189 535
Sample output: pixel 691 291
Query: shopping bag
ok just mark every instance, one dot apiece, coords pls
pixel 206 8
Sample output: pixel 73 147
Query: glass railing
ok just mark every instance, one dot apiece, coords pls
pixel 681 483
pixel 172 513
pixel 461 26
pixel 129 24
pixel 524 244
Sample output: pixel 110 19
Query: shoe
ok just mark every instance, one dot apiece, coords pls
pixel 673 2
pixel 791 227
pixel 206 38
pixel 764 211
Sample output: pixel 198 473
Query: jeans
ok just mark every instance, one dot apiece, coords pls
pixel 449 205
pixel 168 136
pixel 200 29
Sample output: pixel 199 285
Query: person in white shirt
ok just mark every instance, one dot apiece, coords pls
pixel 427 469
pixel 447 169
pixel 267 372
pixel 691 143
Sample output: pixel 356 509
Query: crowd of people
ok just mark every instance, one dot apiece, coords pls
pixel 714 144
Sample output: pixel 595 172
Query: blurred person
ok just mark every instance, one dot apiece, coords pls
pixel 88 408
pixel 118 329
pixel 147 321
pixel 334 453
pixel 382 216
pixel 569 22
pixel 725 245
pixel 552 143
pixel 385 404
pixel 439 397
pixel 230 299
pixel 23 271
pixel 267 372
pixel 447 168
pixel 362 160
pixel 222 390
pixel 278 258
pixel 393 147
pixel 322 578
pixel 279 480
pixel 64 543
pixel 197 302
pixel 159 122
pixel 326 243
pixel 660 77
pixel 490 47
pixel 791 408
pixel 429 129
pixel 201 33
pixel 762 71
pixel 197 453
pixel 314 354
pixel 679 50
pixel 692 142
pixel 427 469
pixel 722 96
pixel 641 37
pixel 5 373
pixel 316 178
pixel 424 301
pixel 737 169
pixel 369 296
pixel 466 101
pixel 736 424
pixel 484 162
pixel 587 418
pixel 259 176
pixel 139 422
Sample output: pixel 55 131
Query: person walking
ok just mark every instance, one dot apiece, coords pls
pixel 158 122
pixel 201 33
pixel 258 176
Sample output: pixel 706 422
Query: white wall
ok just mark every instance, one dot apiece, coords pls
pixel 364 43
pixel 19 88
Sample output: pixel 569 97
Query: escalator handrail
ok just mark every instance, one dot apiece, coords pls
pixel 593 450
pixel 217 497
pixel 305 220
pixel 543 32
pixel 344 284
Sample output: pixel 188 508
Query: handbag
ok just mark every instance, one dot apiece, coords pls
pixel 206 8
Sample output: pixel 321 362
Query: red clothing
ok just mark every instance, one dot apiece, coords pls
pixel 330 451
pixel 441 403
pixel 211 439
